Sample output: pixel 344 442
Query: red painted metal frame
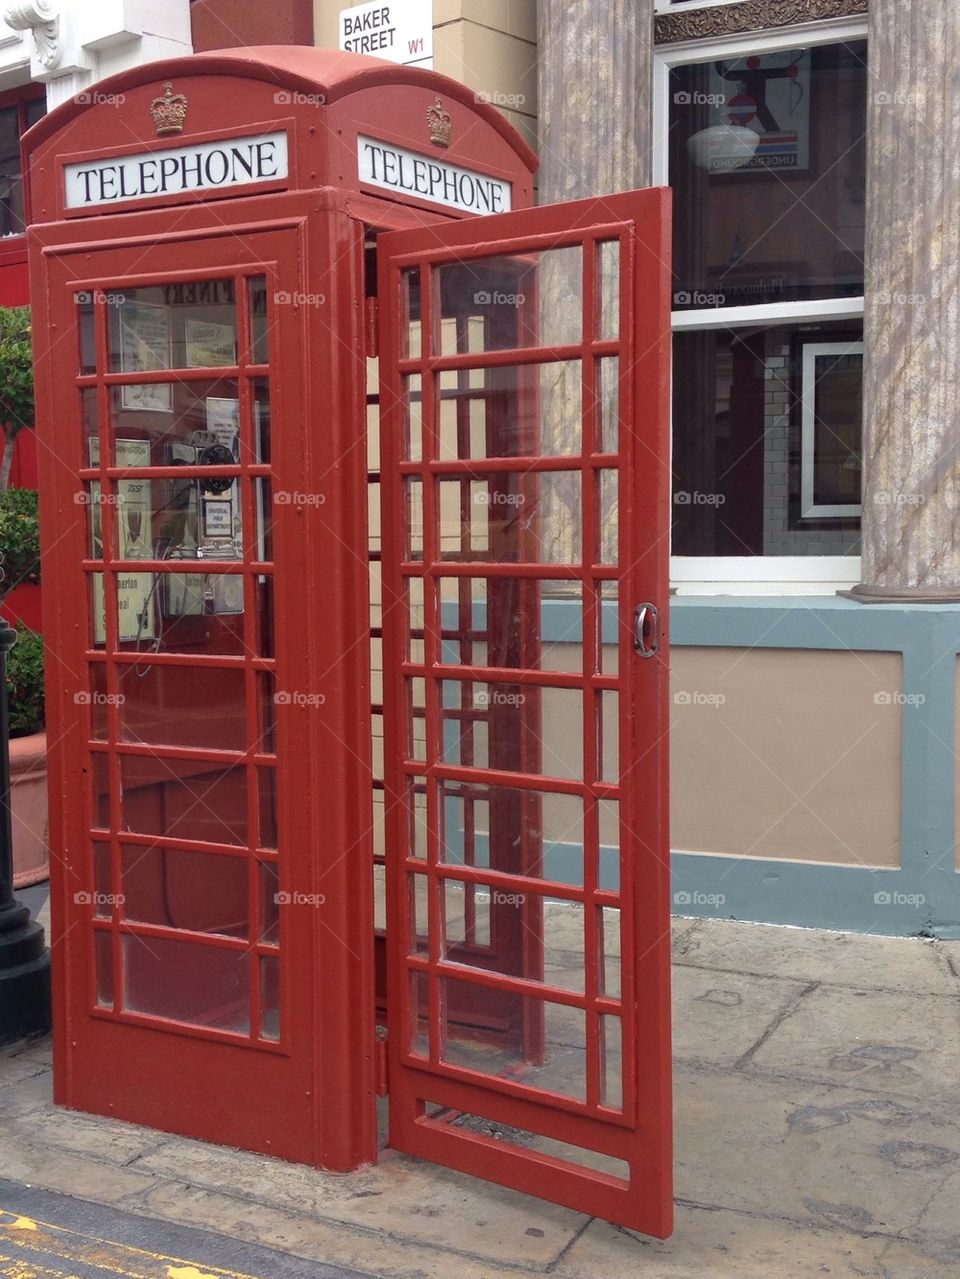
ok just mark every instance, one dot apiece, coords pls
pixel 286 1098
pixel 429 1096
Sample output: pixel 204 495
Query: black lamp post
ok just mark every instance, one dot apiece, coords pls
pixel 24 958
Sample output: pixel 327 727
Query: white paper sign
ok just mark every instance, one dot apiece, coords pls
pixel 172 171
pixel 399 31
pixel 427 177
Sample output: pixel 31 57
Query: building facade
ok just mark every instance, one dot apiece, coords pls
pixel 815 627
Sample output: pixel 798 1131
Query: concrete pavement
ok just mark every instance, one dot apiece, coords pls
pixel 818 1133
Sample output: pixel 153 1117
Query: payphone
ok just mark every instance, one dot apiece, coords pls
pixel 354 490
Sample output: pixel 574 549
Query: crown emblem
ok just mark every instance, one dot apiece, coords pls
pixel 169 111
pixel 439 124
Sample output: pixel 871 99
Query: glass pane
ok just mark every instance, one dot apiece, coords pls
pixel 267 806
pixel 609 870
pixel 420 1019
pixel 89 421
pixel 97 700
pixel 172 612
pixel 379 891
pixel 524 410
pixel 608 386
pixel 104 898
pixel 466 918
pixel 528 833
pixel 187 982
pixel 413 417
pixel 259 330
pixel 609 517
pixel 541 1044
pixel 266 712
pixel 499 302
pixel 183 706
pixel 86 330
pixel 100 787
pixel 410 296
pixel 517 727
pixel 608 924
pixel 608 745
pixel 513 517
pixel 184 798
pixel 608 289
pixel 417 914
pixel 417 818
pixel 738 441
pixel 261 419
pixel 519 622
pixel 537 940
pixel 833 379
pixel 198 892
pixel 269 997
pixel 103 952
pixel 176 424
pixel 173 326
pixel 611 1078
pixel 12 220
pixel 413 506
pixel 269 903
pixel 752 140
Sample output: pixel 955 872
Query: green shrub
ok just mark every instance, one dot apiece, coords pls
pixel 19 538
pixel 25 683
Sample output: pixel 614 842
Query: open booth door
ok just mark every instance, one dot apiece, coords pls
pixel 525 538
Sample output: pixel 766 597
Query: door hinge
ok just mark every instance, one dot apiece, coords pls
pixel 371 324
pixel 380 1062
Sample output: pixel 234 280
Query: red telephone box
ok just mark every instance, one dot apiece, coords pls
pixel 355 525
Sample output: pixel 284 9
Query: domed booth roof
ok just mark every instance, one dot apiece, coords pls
pixel 327 101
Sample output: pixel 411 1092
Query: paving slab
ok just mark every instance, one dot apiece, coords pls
pixel 720 1016
pixel 939 1226
pixel 36 1165
pixel 812 1154
pixel 387 1256
pixel 899 1045
pixel 15 1068
pixel 35 1092
pixel 726 1245
pixel 805 954
pixel 401 1196
pixel 105 1140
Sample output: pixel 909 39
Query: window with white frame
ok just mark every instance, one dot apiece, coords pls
pixel 763 141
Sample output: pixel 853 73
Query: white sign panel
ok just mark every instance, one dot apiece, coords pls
pixel 382 164
pixel 206 166
pixel 401 31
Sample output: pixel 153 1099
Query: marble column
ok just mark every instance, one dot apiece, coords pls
pixel 595 102
pixel 911 424
pixel 595 96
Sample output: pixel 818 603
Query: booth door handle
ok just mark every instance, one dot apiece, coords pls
pixel 646 629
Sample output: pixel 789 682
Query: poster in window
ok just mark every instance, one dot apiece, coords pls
pixel 135 591
pixel 768 93
pixel 210 345
pixel 145 348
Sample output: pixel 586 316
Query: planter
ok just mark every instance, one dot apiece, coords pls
pixel 28 809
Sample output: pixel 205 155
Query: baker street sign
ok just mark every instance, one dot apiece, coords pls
pixel 173 171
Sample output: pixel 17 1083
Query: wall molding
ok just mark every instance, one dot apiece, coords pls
pixel 749 15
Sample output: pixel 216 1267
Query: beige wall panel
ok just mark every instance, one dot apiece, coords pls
pixel 800 760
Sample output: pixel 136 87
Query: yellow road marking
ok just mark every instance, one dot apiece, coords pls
pixel 76 1248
